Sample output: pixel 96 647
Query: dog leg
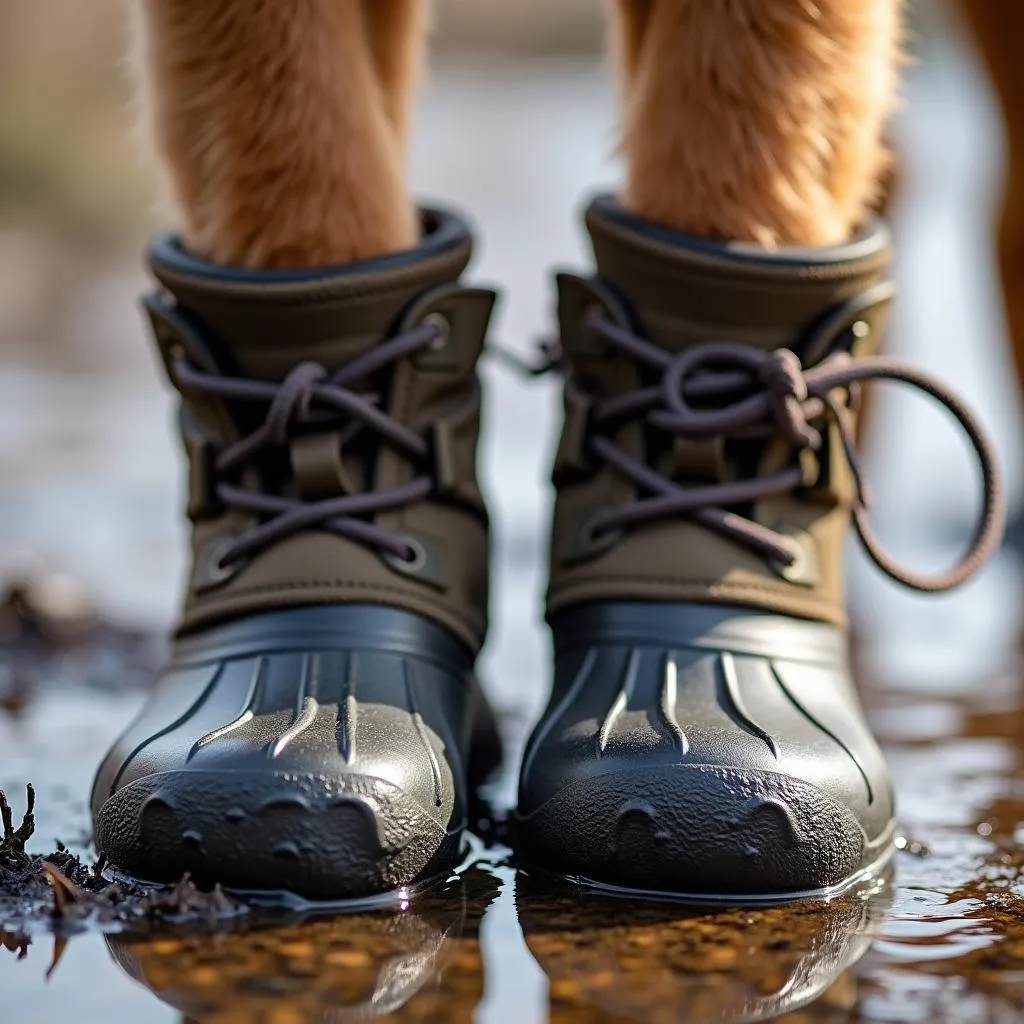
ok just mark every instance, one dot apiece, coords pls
pixel 756 121
pixel 281 124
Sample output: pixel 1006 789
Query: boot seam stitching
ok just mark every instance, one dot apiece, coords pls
pixel 717 584
pixel 333 584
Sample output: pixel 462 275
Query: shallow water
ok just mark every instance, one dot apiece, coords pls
pixel 941 939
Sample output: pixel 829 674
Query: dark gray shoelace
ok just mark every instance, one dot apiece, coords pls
pixel 311 395
pixel 724 389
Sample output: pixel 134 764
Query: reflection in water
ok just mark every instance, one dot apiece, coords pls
pixel 655 962
pixel 420 963
pixel 604 959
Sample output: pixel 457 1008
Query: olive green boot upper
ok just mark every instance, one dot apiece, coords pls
pixel 677 298
pixel 325 344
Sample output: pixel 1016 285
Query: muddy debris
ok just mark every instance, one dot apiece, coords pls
pixel 50 634
pixel 61 892
pixel 15 943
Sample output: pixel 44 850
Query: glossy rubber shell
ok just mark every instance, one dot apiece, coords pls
pixel 325 751
pixel 703 750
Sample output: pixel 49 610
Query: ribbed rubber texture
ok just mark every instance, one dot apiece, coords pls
pixel 325 751
pixel 702 750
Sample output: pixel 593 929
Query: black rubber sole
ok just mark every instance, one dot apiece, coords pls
pixel 863 880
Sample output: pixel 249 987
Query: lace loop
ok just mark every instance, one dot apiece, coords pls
pixel 724 389
pixel 310 395
pixel 293 401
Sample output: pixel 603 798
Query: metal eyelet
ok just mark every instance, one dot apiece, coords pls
pixel 587 542
pixel 803 570
pixel 426 562
pixel 210 572
pixel 411 566
pixel 444 328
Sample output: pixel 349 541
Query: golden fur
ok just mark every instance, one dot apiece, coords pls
pixel 756 120
pixel 282 124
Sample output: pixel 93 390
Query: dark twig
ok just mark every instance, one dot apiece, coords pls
pixel 28 822
pixel 14 839
pixel 8 821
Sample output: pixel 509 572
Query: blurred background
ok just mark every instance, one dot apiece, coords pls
pixel 90 481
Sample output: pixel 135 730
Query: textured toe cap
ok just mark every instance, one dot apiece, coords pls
pixel 706 751
pixel 307 834
pixel 697 829
pixel 322 751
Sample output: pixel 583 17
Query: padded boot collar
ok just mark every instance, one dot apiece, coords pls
pixel 685 290
pixel 264 322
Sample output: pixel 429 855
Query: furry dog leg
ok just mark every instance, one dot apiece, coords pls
pixel 755 121
pixel 281 124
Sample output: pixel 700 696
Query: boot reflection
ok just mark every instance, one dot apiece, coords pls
pixel 634 960
pixel 422 963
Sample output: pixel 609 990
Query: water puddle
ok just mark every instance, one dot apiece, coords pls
pixel 940 938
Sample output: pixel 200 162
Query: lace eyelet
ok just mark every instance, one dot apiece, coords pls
pixel 444 328
pixel 210 572
pixel 586 542
pixel 416 564
pixel 426 564
pixel 803 570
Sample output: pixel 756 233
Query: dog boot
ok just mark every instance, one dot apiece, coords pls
pixel 703 736
pixel 319 726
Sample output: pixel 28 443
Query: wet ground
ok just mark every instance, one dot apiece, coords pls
pixel 90 492
pixel 941 938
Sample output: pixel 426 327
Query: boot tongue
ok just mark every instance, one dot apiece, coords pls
pixel 261 324
pixel 683 290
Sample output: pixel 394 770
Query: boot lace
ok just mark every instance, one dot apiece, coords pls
pixel 309 395
pixel 727 390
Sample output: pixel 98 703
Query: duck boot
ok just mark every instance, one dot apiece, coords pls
pixel 319 727
pixel 703 736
